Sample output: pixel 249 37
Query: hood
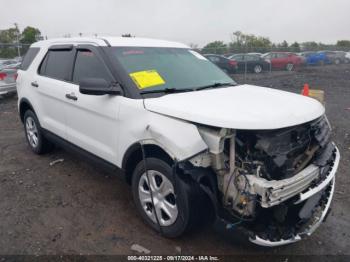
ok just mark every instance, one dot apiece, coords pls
pixel 239 107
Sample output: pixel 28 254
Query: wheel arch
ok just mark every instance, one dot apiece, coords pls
pixel 24 105
pixel 133 156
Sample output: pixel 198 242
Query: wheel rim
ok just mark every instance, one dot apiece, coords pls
pixel 163 198
pixel 257 69
pixel 290 67
pixel 32 132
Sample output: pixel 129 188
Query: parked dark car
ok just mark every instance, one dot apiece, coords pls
pixel 335 57
pixel 227 65
pixel 284 60
pixel 251 63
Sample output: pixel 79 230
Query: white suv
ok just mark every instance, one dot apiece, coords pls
pixel 192 143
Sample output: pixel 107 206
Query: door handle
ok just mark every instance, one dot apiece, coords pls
pixel 34 84
pixel 71 97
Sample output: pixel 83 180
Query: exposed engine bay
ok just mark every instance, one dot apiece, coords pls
pixel 278 184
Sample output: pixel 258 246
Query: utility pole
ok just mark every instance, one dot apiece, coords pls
pixel 17 34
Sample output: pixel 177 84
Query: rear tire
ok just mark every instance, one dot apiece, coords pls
pixel 34 135
pixel 181 203
pixel 257 69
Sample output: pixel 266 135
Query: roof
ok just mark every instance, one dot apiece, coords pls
pixel 113 41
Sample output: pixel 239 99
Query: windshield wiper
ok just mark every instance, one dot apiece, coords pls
pixel 215 85
pixel 167 91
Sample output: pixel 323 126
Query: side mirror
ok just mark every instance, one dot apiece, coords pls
pixel 99 86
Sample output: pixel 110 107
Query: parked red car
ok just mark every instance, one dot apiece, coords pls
pixel 284 60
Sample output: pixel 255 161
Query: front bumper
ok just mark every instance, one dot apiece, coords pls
pixel 328 184
pixel 7 88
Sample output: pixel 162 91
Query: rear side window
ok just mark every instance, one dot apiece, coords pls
pixel 29 57
pixel 57 64
pixel 88 65
pixel 214 59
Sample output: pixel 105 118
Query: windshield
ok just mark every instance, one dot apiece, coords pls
pixel 159 68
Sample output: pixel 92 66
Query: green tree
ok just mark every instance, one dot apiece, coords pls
pixel 310 46
pixel 249 43
pixel 284 46
pixel 295 47
pixel 343 43
pixel 216 47
pixel 30 35
pixel 8 39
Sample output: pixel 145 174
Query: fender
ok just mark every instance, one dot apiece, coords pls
pixel 22 108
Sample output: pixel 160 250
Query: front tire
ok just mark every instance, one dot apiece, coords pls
pixel 290 67
pixel 174 210
pixel 34 135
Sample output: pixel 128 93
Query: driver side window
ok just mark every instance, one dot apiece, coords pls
pixel 88 65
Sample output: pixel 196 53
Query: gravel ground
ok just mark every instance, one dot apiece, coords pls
pixel 74 207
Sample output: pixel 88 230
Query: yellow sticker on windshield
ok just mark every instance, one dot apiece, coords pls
pixel 145 79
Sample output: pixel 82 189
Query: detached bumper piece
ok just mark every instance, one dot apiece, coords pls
pixel 298 205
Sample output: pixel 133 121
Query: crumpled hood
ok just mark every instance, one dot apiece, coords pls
pixel 238 107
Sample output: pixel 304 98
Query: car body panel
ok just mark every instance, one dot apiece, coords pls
pixel 180 139
pixel 253 107
pixel 315 58
pixel 280 60
pixel 247 62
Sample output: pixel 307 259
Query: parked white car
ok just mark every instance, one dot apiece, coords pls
pixel 190 141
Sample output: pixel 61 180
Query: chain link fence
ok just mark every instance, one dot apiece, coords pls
pixel 10 51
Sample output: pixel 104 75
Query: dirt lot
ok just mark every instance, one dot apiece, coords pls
pixel 73 207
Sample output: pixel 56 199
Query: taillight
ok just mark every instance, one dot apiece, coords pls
pixel 232 62
pixel 2 76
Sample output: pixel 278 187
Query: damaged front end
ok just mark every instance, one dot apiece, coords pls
pixel 276 184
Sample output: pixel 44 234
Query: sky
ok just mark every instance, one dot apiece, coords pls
pixel 188 21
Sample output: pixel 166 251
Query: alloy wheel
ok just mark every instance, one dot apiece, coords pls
pixel 32 132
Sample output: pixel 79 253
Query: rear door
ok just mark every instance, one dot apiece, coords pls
pixel 280 61
pixel 92 119
pixel 51 83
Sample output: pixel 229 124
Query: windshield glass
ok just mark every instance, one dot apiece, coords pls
pixel 158 68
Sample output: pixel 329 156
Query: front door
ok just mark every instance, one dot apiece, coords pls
pixel 92 119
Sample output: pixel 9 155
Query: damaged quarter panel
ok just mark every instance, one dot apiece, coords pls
pixel 178 138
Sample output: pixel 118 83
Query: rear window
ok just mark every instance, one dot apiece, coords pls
pixel 29 57
pixel 57 64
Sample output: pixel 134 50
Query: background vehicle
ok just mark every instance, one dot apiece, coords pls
pixel 229 66
pixel 7 63
pixel 335 57
pixel 283 60
pixel 315 58
pixel 348 56
pixel 251 63
pixel 8 81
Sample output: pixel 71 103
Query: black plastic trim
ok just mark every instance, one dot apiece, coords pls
pixel 61 47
